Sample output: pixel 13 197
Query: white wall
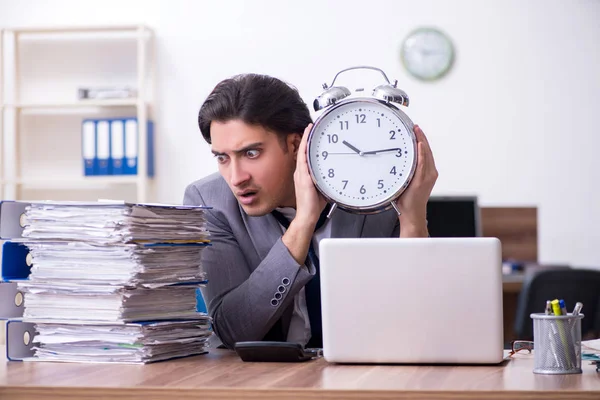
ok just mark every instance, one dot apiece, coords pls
pixel 514 121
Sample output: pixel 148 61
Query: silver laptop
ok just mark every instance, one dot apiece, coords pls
pixel 431 300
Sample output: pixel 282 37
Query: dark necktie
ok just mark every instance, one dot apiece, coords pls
pixel 313 287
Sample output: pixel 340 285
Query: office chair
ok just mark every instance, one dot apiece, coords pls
pixel 572 285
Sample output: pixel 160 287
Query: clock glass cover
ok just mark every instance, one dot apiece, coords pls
pixel 361 153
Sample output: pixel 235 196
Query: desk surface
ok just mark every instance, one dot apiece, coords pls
pixel 512 283
pixel 221 375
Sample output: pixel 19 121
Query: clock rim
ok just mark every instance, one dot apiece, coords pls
pixel 386 203
pixel 444 71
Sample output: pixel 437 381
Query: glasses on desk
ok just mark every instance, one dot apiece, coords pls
pixel 517 346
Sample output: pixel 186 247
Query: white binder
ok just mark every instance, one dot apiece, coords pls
pixel 131 147
pixel 117 146
pixel 103 147
pixel 88 147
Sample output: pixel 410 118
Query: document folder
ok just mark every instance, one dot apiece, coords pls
pixel 11 213
pixel 88 147
pixel 16 261
pixel 103 147
pixel 200 303
pixel 11 301
pixel 117 146
pixel 132 147
pixel 19 340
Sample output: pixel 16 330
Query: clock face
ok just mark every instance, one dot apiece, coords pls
pixel 427 54
pixel 361 154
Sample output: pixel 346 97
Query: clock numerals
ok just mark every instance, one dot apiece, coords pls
pixel 362 190
pixel 393 171
pixel 359 155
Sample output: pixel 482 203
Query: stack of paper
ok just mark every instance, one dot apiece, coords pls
pixel 115 282
pixel 111 222
pixel 127 343
pixel 591 352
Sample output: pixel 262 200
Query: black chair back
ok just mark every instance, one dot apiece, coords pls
pixel 571 285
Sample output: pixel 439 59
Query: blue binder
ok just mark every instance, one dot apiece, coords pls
pixel 200 303
pixel 150 153
pixel 131 147
pixel 103 146
pixel 16 261
pixel 88 147
pixel 117 146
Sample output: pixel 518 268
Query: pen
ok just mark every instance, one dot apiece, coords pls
pixel 563 307
pixel 576 311
pixel 548 307
pixel 552 335
pixel 556 307
pixel 561 331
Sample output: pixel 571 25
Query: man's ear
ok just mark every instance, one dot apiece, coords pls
pixel 294 142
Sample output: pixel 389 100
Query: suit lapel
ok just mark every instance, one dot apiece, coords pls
pixel 263 231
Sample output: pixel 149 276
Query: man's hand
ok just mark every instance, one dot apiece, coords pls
pixel 309 205
pixel 413 202
pixel 309 202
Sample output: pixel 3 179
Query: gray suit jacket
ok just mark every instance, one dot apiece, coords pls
pixel 248 261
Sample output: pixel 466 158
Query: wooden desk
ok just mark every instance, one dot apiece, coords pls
pixel 221 375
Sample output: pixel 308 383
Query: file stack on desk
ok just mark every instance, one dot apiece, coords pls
pixel 115 282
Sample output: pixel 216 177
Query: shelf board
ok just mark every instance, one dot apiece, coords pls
pixel 83 182
pixel 132 102
pixel 78 29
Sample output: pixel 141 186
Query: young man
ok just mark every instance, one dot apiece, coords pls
pixel 260 269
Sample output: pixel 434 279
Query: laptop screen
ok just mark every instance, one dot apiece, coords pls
pixel 453 217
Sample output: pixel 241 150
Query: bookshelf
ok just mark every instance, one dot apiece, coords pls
pixel 40 115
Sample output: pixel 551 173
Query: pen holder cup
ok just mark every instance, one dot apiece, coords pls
pixel 557 343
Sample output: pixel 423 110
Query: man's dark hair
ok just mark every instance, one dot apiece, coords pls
pixel 256 100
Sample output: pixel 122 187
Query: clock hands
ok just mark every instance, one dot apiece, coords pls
pixel 364 153
pixel 383 151
pixel 360 153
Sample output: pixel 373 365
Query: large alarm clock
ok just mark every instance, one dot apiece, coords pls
pixel 362 151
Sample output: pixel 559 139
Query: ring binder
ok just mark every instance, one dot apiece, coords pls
pixel 111 146
pixel 117 146
pixel 103 147
pixel 88 147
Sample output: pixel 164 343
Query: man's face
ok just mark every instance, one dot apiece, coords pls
pixel 255 165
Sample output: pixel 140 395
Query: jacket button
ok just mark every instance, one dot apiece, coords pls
pixel 274 302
